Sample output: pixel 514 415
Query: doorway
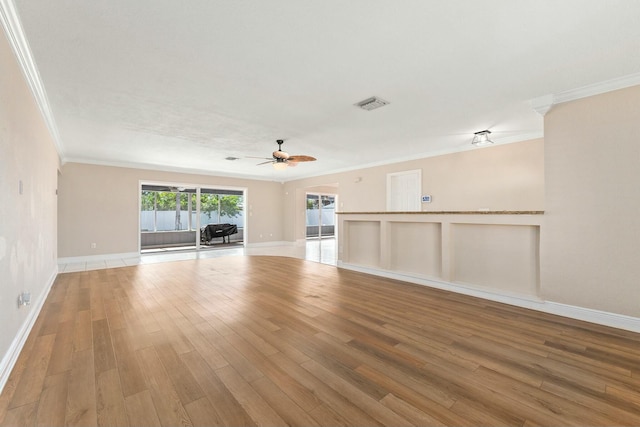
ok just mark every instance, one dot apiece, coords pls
pixel 189 217
pixel 321 227
pixel 320 215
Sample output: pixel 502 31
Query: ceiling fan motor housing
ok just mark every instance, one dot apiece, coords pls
pixel 279 154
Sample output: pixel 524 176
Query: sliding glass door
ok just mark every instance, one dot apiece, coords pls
pixel 221 215
pixel 320 215
pixel 189 217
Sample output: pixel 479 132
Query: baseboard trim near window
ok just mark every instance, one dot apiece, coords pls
pixel 267 244
pixel 97 258
pixel 604 318
pixel 11 356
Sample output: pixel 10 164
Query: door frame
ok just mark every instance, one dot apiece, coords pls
pixel 197 187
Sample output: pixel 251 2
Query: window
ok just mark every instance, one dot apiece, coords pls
pixel 164 211
pixel 220 206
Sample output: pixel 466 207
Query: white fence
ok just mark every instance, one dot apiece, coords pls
pixel 328 216
pixel 166 220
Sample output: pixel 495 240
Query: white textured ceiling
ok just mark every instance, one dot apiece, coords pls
pixel 182 85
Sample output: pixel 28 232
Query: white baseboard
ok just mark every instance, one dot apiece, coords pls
pixel 11 356
pixel 267 244
pixel 95 258
pixel 620 321
pixel 613 320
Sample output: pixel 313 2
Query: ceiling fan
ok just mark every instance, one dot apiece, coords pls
pixel 281 159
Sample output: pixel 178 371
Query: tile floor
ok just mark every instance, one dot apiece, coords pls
pixel 318 250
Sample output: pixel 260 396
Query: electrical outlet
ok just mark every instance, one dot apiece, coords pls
pixel 24 299
pixel 93 246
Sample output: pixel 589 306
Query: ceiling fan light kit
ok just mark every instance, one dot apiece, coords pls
pixel 280 165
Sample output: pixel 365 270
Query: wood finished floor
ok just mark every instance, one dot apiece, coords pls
pixel 245 341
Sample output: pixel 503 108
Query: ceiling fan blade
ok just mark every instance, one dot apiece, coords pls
pixel 282 158
pixel 301 158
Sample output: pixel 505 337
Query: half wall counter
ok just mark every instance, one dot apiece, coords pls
pixel 493 251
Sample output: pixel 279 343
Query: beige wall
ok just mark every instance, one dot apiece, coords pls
pixel 99 204
pixel 590 238
pixel 27 220
pixel 501 177
pixel 500 257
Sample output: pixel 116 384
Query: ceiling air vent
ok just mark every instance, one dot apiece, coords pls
pixel 371 103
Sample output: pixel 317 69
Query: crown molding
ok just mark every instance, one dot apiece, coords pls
pixel 10 21
pixel 598 88
pixel 544 103
pixel 164 168
pixel 522 137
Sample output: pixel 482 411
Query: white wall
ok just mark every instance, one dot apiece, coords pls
pixel 28 220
